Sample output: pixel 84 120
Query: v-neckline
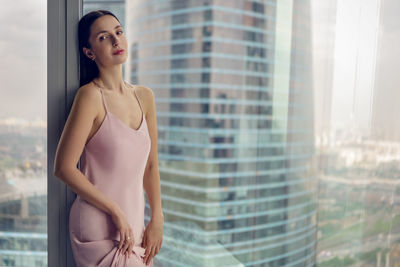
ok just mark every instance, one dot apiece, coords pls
pixel 115 116
pixel 109 116
pixel 125 125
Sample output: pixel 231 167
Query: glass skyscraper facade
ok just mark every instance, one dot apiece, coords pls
pixel 233 90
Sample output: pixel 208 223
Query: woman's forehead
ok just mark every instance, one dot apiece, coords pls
pixel 104 23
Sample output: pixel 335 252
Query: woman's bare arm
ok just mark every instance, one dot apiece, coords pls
pixel 151 178
pixel 70 147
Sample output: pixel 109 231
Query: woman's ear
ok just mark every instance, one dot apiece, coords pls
pixel 88 53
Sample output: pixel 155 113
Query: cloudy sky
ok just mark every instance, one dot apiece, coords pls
pixel 354 62
pixel 23 45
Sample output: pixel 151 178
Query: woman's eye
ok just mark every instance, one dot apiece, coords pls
pixel 101 38
pixel 120 32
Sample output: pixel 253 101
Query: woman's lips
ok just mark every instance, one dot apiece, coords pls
pixel 119 52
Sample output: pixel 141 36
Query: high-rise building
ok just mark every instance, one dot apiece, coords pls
pixel 117 7
pixel 233 88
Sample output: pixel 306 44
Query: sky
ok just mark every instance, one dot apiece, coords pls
pixel 23 45
pixel 354 62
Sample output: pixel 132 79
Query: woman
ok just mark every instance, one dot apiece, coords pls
pixel 112 129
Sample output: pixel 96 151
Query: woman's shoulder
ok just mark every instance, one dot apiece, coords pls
pixel 88 94
pixel 140 89
pixel 88 89
pixel 144 93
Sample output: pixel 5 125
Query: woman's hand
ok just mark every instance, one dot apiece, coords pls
pixel 152 238
pixel 125 232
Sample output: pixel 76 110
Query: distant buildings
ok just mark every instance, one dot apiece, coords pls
pixel 23 220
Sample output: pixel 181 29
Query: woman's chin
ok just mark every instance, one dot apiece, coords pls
pixel 118 61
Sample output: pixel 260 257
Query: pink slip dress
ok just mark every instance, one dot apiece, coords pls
pixel 114 160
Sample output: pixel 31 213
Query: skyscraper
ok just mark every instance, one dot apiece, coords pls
pixel 233 88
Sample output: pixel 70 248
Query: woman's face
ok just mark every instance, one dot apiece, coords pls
pixel 106 37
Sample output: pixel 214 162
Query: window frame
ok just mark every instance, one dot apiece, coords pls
pixel 62 82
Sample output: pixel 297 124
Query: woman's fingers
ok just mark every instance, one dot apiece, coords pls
pixel 150 255
pixel 121 240
pixel 132 241
pixel 126 244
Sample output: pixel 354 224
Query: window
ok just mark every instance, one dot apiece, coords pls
pixel 278 136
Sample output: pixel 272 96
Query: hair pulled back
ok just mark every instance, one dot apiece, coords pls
pixel 88 69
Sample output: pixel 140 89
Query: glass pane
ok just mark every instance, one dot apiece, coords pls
pixel 357 133
pixel 278 143
pixel 23 133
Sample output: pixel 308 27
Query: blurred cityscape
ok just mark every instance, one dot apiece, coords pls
pixel 23 192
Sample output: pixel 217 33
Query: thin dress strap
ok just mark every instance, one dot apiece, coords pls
pixel 102 95
pixel 134 91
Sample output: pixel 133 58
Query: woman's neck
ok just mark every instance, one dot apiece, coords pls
pixel 112 80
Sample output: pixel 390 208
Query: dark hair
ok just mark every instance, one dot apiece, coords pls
pixel 88 69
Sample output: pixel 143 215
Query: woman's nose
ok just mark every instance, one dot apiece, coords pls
pixel 115 41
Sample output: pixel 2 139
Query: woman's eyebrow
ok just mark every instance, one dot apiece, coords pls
pixel 106 31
